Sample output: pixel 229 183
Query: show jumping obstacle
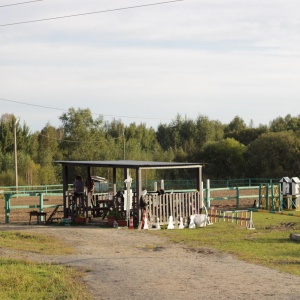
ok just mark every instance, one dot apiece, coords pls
pixel 241 217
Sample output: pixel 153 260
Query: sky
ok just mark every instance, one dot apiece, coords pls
pixel 214 58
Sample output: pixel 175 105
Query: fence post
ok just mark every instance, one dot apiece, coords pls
pixel 7 207
pixel 280 197
pixel 267 196
pixel 207 195
pixel 42 205
pixel 273 198
pixel 237 197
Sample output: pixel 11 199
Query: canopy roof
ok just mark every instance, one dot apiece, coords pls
pixel 134 164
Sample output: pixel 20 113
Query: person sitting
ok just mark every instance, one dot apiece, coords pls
pixel 78 186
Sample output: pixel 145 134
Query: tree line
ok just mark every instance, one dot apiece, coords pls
pixel 233 150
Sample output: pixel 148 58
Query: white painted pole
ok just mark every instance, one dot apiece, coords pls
pixel 201 195
pixel 208 192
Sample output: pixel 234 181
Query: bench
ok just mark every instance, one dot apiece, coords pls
pixel 38 216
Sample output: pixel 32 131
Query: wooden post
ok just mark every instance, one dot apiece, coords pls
pixel 138 193
pixel 65 190
pixel 114 181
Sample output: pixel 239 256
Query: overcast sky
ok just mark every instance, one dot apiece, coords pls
pixel 218 58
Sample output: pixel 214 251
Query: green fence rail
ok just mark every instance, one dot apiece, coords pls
pixel 8 207
pixel 268 195
pixel 148 185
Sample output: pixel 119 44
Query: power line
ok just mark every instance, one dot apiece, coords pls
pixel 89 13
pixel 70 141
pixel 61 109
pixel 20 3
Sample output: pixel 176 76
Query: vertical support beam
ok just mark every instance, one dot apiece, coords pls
pixel 65 189
pixel 272 198
pixel 267 196
pixel 207 201
pixel 200 184
pixel 42 205
pixel 138 193
pixel 126 173
pixel 114 181
pixel 88 181
pixel 280 197
pixel 259 196
pixel 88 201
pixel 7 207
pixel 237 198
pixel 15 154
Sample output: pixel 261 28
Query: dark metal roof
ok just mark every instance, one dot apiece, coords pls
pixel 134 164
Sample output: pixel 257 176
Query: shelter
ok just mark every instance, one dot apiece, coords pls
pixel 137 166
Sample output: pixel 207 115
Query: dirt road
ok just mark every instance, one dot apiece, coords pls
pixel 132 264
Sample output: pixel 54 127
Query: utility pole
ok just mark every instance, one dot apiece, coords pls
pixel 15 153
pixel 123 143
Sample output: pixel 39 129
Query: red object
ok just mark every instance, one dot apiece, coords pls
pixel 131 223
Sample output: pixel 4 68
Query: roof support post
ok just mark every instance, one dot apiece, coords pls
pixel 65 189
pixel 200 184
pixel 138 193
pixel 114 181
pixel 126 173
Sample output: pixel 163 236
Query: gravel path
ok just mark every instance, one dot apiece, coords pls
pixel 132 264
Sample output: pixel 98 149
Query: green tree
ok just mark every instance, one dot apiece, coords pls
pixel 285 124
pixel 237 124
pixel 188 136
pixel 83 137
pixel 274 155
pixel 247 135
pixel 225 159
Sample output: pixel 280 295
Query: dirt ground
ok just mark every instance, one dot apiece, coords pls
pixel 133 264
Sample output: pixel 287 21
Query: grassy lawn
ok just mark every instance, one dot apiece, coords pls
pixel 26 280
pixel 269 244
pixel 20 240
pixel 21 279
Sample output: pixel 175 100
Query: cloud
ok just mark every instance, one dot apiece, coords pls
pixel 215 58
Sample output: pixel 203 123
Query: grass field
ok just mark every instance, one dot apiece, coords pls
pixel 268 244
pixel 21 279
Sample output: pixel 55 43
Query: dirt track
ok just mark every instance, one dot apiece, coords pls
pixel 132 264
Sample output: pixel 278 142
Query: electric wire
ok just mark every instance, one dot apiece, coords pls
pixel 90 13
pixel 20 3
pixel 75 142
pixel 100 115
